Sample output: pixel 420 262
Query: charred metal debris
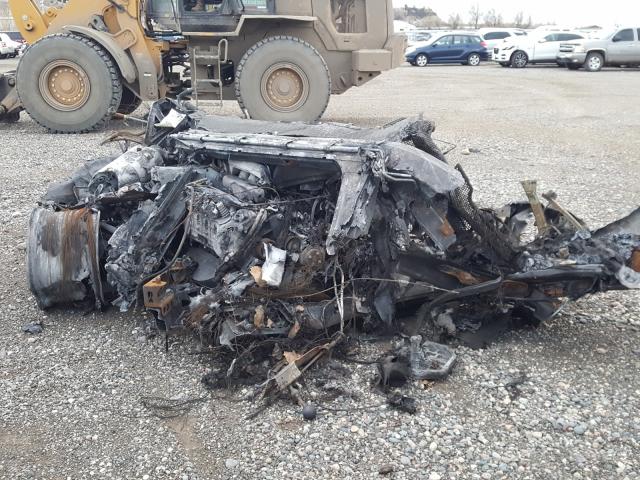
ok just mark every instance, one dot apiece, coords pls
pixel 257 235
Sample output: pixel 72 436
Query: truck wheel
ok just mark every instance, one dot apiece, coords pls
pixel 129 102
pixel 594 62
pixel 519 59
pixel 68 83
pixel 283 78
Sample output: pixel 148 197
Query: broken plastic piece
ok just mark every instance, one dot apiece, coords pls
pixel 172 120
pixel 33 328
pixel 273 267
pixel 430 360
pixel 416 361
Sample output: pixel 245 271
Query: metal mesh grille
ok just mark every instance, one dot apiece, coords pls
pixel 478 221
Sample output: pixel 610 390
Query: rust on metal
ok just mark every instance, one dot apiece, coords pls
pixel 635 260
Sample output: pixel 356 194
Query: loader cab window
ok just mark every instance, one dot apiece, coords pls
pixel 162 16
pixel 349 16
pixel 209 16
pixel 218 16
pixel 202 6
pixel 228 7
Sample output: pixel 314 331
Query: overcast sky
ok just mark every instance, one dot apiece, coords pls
pixel 566 12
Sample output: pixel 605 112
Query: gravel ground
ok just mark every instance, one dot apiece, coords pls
pixel 70 398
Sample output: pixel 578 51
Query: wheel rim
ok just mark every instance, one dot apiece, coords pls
pixel 520 60
pixel 594 63
pixel 421 61
pixel 285 87
pixel 64 85
pixel 474 60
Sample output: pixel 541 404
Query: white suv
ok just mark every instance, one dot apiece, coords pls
pixel 495 36
pixel 541 48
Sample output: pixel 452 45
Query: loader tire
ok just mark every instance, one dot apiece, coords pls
pixel 283 78
pixel 129 102
pixel 68 84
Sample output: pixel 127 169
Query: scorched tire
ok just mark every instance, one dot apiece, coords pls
pixel 129 102
pixel 68 83
pixel 283 78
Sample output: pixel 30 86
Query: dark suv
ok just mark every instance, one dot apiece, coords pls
pixel 450 47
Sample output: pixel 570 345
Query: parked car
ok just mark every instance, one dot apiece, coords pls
pixel 415 37
pixel 541 48
pixel 614 47
pixel 467 48
pixel 495 36
pixel 17 37
pixel 8 48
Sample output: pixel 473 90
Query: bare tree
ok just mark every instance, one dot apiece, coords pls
pixel 455 21
pixel 518 21
pixel 529 23
pixel 429 22
pixel 474 15
pixel 6 21
pixel 492 19
pixel 399 14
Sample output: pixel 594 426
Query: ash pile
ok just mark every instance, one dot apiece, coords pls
pixel 294 236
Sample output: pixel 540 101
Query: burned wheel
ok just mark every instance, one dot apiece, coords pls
pixel 68 83
pixel 129 103
pixel 283 78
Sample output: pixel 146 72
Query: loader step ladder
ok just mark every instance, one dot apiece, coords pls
pixel 203 61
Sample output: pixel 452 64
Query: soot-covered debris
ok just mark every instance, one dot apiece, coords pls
pixel 272 241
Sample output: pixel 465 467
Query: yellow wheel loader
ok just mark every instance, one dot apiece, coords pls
pixel 281 59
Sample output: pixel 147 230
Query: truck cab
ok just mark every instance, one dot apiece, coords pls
pixel 611 47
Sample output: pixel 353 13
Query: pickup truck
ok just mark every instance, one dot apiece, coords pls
pixel 616 47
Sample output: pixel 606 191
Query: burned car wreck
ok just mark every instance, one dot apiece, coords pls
pixel 239 229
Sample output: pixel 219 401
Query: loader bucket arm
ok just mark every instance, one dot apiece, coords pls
pixel 30 20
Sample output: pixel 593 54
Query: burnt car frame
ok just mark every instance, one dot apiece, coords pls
pixel 241 229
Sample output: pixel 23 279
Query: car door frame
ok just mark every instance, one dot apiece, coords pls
pixel 460 51
pixel 545 51
pixel 440 53
pixel 622 51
